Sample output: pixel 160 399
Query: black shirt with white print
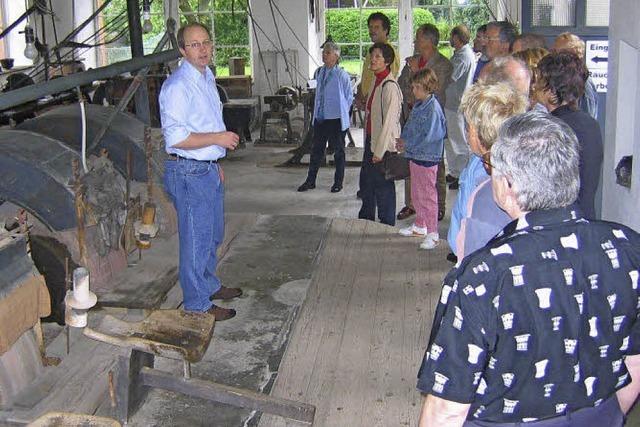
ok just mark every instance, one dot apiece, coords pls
pixel 537 323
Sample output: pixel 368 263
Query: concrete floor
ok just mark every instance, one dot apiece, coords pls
pixel 272 260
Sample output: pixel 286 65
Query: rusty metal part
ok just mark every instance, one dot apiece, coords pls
pixel 129 167
pixel 148 150
pixel 112 390
pixel 79 210
pixel 24 228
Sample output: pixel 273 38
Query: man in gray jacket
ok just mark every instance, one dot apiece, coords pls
pixel 464 66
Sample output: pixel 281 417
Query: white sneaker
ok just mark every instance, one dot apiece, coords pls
pixel 430 241
pixel 413 230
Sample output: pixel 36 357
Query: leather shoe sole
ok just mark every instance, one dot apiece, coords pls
pixel 336 188
pixel 221 313
pixel 405 213
pixel 306 186
pixel 226 293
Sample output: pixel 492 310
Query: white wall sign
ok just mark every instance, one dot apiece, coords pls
pixel 597 58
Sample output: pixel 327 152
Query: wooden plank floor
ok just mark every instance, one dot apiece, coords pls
pixel 360 336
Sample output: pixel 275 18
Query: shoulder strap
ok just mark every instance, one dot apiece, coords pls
pixel 384 83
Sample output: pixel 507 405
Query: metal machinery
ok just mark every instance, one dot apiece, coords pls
pixel 276 121
pixel 81 217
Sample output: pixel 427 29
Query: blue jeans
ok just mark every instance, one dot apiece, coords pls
pixel 198 195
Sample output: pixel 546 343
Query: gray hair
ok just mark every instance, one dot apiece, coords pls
pixel 500 70
pixel 429 32
pixel 507 31
pixel 332 47
pixel 539 155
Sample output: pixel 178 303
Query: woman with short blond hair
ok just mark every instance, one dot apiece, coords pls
pixel 485 108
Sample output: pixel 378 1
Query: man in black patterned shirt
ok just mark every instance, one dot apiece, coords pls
pixel 539 326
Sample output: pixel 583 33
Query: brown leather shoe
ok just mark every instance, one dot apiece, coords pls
pixel 406 212
pixel 226 293
pixel 221 313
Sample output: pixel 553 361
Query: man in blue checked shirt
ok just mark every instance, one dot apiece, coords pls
pixel 196 138
pixel 334 97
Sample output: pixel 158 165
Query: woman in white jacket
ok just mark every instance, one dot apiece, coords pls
pixel 383 109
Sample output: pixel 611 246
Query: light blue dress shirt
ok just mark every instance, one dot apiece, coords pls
pixel 470 177
pixel 189 102
pixel 334 95
pixel 464 67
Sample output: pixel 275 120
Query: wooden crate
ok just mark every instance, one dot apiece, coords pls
pixel 236 86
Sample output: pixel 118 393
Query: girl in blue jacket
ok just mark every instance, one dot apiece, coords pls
pixel 422 140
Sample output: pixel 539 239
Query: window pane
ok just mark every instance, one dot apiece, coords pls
pixel 188 6
pixel 431 2
pixel 222 59
pixel 553 13
pixel 381 3
pixel 231 29
pixel 203 18
pixel 472 17
pixel 597 13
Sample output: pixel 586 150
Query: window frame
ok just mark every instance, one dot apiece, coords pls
pixel 581 28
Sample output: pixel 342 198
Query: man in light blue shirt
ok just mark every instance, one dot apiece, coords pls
pixel 334 97
pixel 464 65
pixel 195 139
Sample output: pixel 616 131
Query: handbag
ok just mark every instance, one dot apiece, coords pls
pixel 394 166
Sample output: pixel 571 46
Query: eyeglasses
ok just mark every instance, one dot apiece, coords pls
pixel 492 39
pixel 488 167
pixel 196 45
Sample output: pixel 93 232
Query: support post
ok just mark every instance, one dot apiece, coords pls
pixel 130 391
pixel 137 50
pixel 406 30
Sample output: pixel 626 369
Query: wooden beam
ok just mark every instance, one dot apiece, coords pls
pixel 229 395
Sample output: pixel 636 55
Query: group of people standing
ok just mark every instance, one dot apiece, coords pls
pixel 537 321
pixel 427 114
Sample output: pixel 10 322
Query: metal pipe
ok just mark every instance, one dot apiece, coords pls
pixel 33 92
pixel 17 21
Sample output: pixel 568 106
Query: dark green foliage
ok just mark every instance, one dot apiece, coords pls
pixel 349 25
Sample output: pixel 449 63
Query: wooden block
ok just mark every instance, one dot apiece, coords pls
pixel 54 419
pixel 130 391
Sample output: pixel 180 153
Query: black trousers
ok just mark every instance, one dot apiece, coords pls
pixel 323 132
pixel 607 414
pixel 376 191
